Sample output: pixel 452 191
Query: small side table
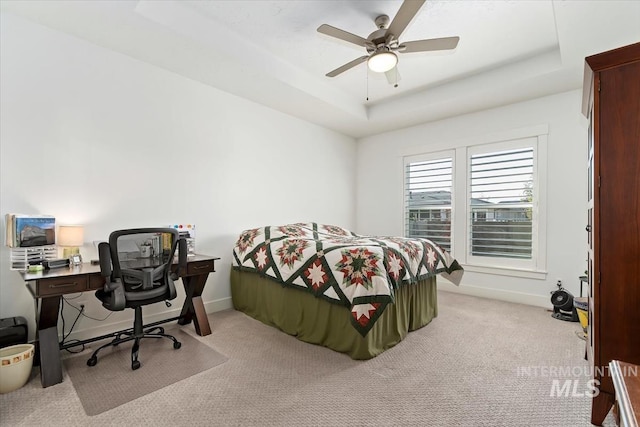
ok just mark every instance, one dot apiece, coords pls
pixel 583 280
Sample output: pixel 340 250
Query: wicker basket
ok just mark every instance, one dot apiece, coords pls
pixel 16 362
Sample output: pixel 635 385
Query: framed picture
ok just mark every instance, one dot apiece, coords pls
pixel 75 259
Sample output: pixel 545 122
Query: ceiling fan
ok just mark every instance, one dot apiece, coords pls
pixel 382 44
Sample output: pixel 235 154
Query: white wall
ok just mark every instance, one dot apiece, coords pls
pixel 380 176
pixel 82 127
pixel 98 138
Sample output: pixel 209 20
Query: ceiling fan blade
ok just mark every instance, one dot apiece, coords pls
pixel 393 76
pixel 406 13
pixel 342 35
pixel 347 66
pixel 445 43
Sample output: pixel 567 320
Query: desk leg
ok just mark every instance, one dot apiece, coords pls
pixel 47 342
pixel 193 308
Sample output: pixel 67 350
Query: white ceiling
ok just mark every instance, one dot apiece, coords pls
pixel 271 53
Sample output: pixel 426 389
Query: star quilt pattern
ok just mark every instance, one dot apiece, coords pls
pixel 342 267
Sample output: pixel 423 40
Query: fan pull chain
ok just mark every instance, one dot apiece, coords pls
pixel 367 71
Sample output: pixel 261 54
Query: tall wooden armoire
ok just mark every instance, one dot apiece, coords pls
pixel 611 102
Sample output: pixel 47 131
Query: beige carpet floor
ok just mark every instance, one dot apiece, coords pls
pixel 119 384
pixel 479 363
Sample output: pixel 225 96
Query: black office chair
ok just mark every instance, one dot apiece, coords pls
pixel 136 275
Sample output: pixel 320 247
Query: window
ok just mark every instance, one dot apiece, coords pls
pixel 483 202
pixel 501 202
pixel 428 198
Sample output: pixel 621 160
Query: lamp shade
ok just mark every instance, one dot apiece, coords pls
pixel 70 235
pixel 381 62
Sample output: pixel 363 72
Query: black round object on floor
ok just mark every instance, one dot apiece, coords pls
pixel 562 300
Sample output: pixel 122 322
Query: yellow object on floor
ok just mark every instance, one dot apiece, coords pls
pixel 582 307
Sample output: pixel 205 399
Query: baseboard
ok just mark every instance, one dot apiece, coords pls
pixel 218 305
pixel 83 334
pixel 499 294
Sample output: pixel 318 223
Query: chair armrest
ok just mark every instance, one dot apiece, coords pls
pixel 114 298
pixel 182 259
pixel 104 256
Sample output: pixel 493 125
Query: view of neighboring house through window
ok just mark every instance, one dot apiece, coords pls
pixel 500 217
pixel 428 199
pixel 482 202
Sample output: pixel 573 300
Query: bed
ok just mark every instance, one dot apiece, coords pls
pixel 326 285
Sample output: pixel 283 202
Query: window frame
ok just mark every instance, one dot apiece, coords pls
pixel 504 262
pixel 460 193
pixel 438 155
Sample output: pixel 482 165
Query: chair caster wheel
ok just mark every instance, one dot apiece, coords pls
pixel 92 361
pixel 177 345
pixel 135 365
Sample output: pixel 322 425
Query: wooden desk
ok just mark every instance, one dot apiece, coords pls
pixel 48 287
pixel 626 381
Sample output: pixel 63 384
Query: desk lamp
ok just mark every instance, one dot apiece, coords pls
pixel 70 237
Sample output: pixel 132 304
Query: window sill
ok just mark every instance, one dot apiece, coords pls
pixel 504 271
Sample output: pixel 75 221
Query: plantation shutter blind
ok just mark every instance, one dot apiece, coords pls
pixel 428 186
pixel 501 203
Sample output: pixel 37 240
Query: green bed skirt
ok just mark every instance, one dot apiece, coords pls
pixel 317 321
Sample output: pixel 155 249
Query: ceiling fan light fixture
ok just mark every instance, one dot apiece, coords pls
pixel 381 62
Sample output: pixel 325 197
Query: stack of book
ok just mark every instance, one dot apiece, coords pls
pixel 188 232
pixel 166 243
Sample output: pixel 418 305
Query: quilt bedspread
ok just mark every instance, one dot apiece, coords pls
pixel 333 263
